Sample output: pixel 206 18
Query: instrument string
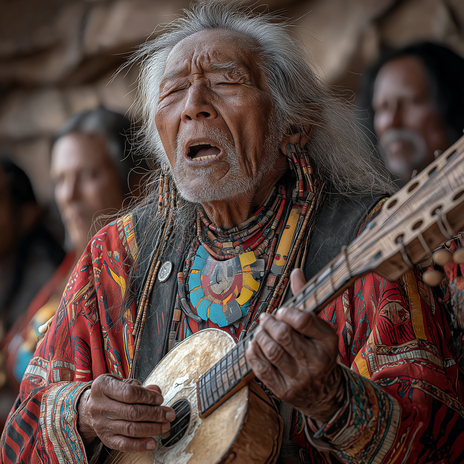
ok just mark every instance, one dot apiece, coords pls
pixel 120 457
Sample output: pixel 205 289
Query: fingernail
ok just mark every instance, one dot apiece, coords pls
pixel 170 416
pixel 151 444
pixel 165 427
pixel 262 316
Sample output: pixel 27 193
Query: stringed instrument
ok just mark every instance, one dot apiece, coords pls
pixel 225 417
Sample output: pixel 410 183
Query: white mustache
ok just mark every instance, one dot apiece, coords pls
pixel 405 135
pixel 217 135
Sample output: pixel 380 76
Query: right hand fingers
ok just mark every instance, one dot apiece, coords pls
pixel 133 429
pixel 155 388
pixel 113 410
pixel 129 445
pixel 125 392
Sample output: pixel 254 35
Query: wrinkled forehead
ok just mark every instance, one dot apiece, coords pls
pixel 211 48
pixel 405 74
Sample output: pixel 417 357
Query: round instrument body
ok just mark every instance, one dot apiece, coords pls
pixel 212 439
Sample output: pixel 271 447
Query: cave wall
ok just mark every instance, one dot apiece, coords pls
pixel 60 56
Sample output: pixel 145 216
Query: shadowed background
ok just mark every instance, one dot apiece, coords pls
pixel 58 57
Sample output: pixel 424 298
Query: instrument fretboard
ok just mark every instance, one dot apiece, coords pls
pixel 424 214
pixel 223 378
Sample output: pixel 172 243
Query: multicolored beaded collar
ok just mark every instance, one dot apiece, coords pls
pixel 260 254
pixel 232 276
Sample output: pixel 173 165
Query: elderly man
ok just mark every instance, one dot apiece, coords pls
pixel 228 103
pixel 414 98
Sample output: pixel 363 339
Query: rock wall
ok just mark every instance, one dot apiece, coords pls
pixel 59 56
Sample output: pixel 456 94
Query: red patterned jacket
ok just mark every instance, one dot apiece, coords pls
pixel 404 402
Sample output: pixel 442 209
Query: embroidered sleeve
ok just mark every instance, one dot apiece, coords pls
pixel 405 400
pixel 90 335
pixel 453 290
pixel 361 428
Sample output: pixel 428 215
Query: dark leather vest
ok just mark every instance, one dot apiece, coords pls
pixel 336 226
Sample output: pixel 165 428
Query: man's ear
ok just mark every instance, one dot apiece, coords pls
pixel 301 138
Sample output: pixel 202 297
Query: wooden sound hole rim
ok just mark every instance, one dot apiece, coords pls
pixel 180 424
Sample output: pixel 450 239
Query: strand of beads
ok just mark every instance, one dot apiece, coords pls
pixel 166 207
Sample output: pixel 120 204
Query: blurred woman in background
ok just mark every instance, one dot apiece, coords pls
pixel 93 174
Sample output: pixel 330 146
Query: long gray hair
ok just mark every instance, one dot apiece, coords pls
pixel 340 151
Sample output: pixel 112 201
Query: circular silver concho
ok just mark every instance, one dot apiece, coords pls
pixel 165 271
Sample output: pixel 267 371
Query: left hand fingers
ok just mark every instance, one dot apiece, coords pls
pixel 309 325
pixel 297 280
pixel 272 347
pixel 287 340
pixel 264 370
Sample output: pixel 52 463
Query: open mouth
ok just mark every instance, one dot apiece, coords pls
pixel 202 151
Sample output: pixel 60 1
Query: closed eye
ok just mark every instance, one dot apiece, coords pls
pixel 176 90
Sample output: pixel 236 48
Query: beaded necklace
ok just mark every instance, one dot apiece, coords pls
pixel 231 276
pixel 277 234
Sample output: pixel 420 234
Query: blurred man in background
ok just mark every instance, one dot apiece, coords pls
pixel 415 102
pixel 90 169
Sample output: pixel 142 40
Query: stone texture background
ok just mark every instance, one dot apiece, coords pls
pixel 59 56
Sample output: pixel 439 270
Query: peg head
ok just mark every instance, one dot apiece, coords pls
pixel 442 257
pixel 458 256
pixel 433 277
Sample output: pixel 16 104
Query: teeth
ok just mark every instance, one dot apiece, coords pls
pixel 204 158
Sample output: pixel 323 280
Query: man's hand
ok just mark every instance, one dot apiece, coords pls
pixel 295 355
pixel 123 414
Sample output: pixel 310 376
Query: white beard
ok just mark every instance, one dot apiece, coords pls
pixel 234 184
pixel 414 157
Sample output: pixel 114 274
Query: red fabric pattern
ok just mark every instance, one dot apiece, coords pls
pixel 405 401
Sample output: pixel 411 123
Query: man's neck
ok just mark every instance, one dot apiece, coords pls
pixel 226 214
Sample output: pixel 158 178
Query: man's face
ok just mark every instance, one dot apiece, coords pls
pixel 214 117
pixel 86 183
pixel 407 124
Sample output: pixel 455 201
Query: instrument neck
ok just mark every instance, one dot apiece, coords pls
pixel 233 370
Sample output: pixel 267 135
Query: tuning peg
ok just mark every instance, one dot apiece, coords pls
pixel 458 256
pixel 433 277
pixel 442 257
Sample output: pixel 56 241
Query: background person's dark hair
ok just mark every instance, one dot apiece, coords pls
pixel 19 186
pixel 37 236
pixel 114 128
pixel 445 73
